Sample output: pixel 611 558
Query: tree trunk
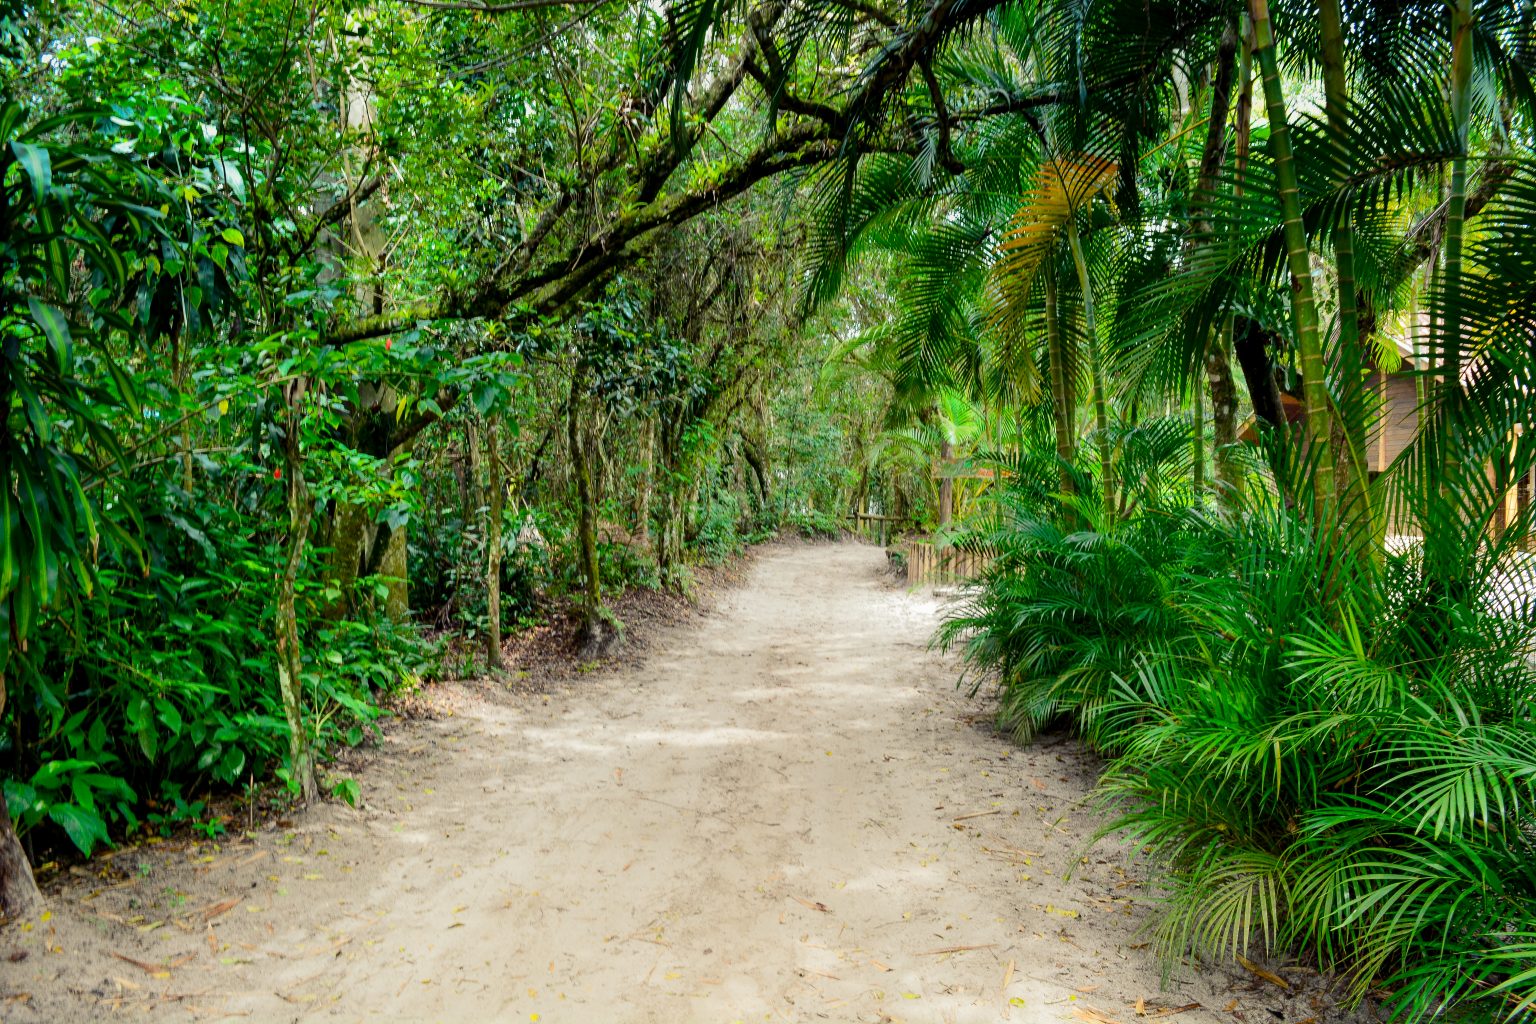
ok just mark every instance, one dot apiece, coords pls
pixel 349 530
pixel 1095 373
pixel 946 479
pixel 18 889
pixel 1198 476
pixel 1449 388
pixel 395 567
pixel 1218 373
pixel 594 636
pixel 290 660
pixel 1352 403
pixel 1218 359
pixel 19 894
pixel 496 497
pixel 395 564
pixel 759 465
pixel 1456 203
pixel 1212 156
pixel 860 499
pixel 646 460
pixel 1063 393
pixel 1317 420
pixel 1252 348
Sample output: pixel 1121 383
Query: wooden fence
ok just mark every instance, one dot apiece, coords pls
pixel 880 529
pixel 928 564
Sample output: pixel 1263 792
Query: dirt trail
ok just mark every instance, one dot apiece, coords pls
pixel 787 814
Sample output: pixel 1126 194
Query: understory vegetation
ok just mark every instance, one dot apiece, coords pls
pixel 343 340
pixel 1326 750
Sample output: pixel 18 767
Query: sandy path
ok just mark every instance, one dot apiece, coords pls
pixel 784 815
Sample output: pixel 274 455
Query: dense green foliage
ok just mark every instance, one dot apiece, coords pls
pixel 339 338
pixel 1322 754
pixel 250 492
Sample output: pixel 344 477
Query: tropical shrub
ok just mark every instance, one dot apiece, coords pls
pixel 165 682
pixel 1322 747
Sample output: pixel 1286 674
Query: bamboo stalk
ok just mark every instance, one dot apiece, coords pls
pixel 1317 421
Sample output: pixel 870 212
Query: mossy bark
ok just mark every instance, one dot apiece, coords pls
pixel 349 534
pixel 595 635
pixel 395 567
pixel 495 500
pixel 290 659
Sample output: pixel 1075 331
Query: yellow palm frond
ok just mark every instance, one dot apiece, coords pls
pixel 1063 186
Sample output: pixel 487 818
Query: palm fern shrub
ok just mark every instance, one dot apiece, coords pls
pixel 1075 593
pixel 1348 771
pixel 1318 752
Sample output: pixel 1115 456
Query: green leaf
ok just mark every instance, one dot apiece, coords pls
pixel 8 535
pixel 142 721
pixel 84 828
pixel 55 325
pixel 348 790
pixel 38 164
pixel 233 237
pixel 485 396
pixel 34 518
pixel 21 800
pixel 127 390
pixel 168 714
pixel 231 764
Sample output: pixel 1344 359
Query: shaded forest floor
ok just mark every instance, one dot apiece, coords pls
pixel 785 812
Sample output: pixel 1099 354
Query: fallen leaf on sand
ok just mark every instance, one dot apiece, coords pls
pixel 954 949
pixel 152 969
pixel 1273 979
pixel 1007 978
pixel 213 910
pixel 1092 1016
pixel 808 904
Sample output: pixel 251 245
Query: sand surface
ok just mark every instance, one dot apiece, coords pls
pixel 787 813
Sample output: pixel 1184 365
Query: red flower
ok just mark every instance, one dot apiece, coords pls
pixel 277 474
pixel 388 342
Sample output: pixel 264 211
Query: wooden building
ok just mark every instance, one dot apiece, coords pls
pixel 1399 398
